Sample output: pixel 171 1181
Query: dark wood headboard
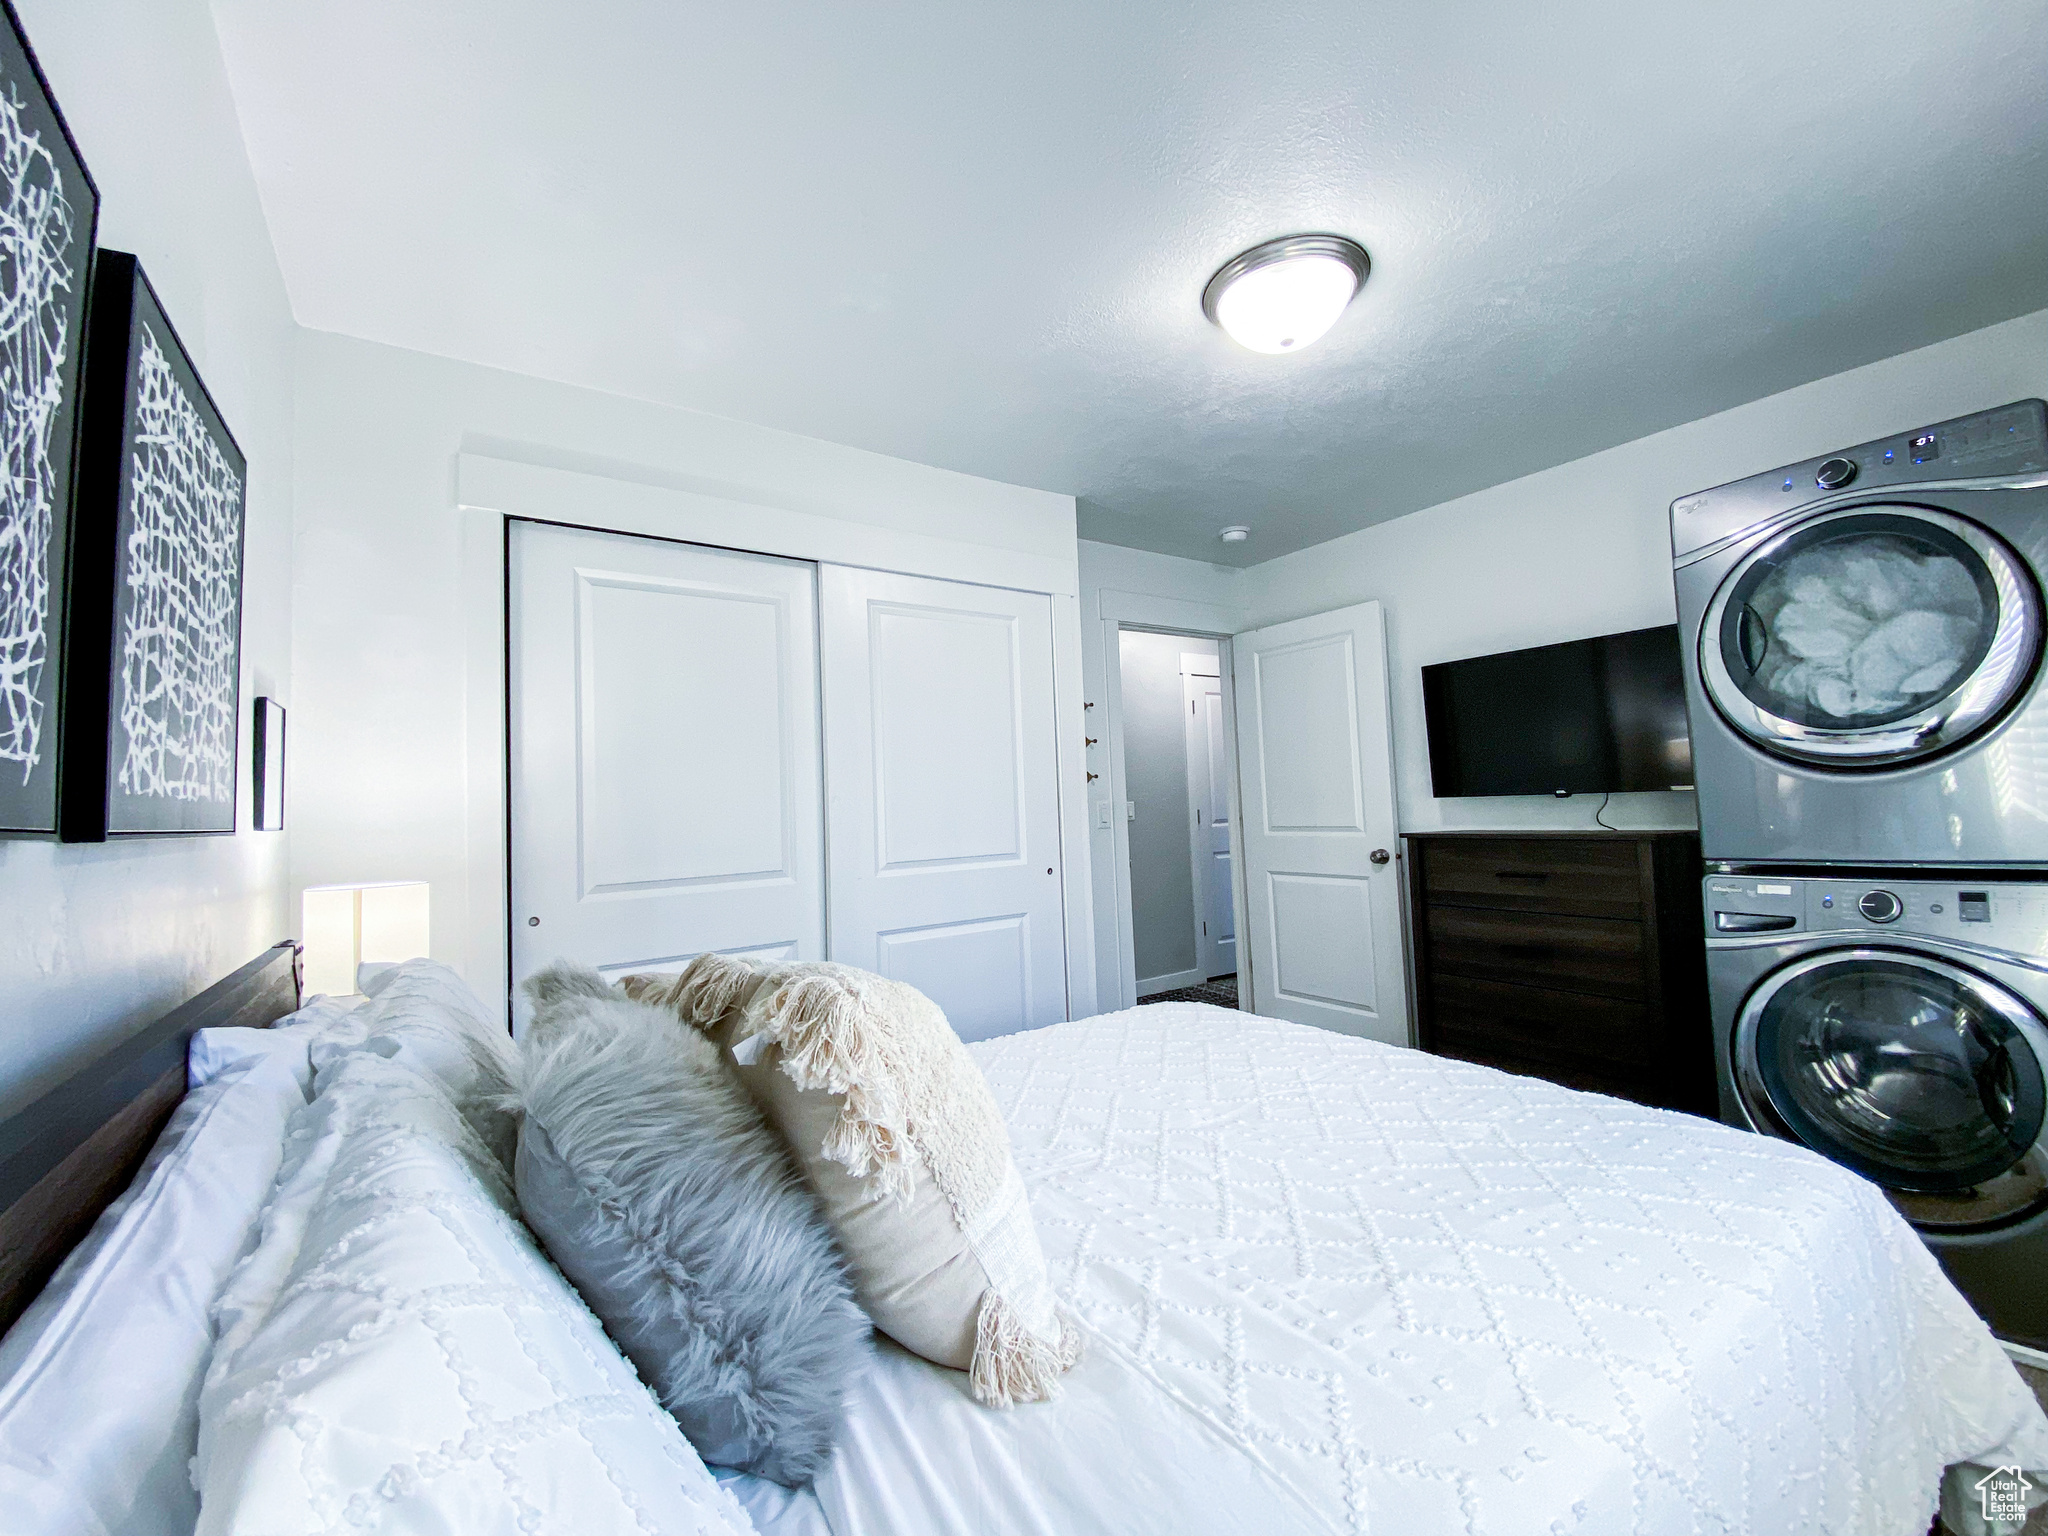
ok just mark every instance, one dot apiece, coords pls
pixel 65 1157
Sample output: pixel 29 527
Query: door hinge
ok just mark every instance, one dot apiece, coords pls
pixel 1205 930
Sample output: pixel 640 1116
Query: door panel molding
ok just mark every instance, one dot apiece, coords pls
pixel 981 964
pixel 914 711
pixel 1315 940
pixel 1296 760
pixel 750 789
pixel 1209 816
pixel 670 965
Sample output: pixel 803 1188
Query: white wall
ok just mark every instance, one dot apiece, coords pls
pixel 1584 549
pixel 1154 719
pixel 395 721
pixel 99 940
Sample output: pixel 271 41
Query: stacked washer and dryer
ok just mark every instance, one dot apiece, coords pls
pixel 1869 712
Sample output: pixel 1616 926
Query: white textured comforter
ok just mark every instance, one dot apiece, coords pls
pixel 396 1355
pixel 1330 1285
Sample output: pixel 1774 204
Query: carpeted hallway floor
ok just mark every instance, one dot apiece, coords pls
pixel 1220 990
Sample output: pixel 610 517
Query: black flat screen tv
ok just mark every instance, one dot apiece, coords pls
pixel 1588 716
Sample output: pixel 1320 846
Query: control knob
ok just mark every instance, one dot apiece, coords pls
pixel 1835 474
pixel 1880 906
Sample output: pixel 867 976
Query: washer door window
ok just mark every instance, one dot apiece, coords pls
pixel 1871 637
pixel 1922 1076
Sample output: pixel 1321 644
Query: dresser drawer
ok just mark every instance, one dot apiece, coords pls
pixel 1585 877
pixel 1577 954
pixel 1636 1087
pixel 1611 1035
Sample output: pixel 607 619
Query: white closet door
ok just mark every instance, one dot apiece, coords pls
pixel 1209 810
pixel 942 806
pixel 1322 888
pixel 665 795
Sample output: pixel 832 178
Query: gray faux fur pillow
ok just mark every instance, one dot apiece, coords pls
pixel 665 1198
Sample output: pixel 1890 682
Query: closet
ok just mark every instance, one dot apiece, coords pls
pixel 712 750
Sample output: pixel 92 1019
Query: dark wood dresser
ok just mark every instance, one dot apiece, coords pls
pixel 1577 957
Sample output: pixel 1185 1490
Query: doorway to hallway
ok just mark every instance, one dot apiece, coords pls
pixel 1177 777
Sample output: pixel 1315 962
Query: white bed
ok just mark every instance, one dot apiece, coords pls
pixel 1326 1286
pixel 1329 1285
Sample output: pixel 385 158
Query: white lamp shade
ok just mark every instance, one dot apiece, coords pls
pixel 1287 305
pixel 344 926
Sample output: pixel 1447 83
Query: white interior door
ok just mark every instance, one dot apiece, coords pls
pixel 665 795
pixel 1209 813
pixel 1322 898
pixel 942 802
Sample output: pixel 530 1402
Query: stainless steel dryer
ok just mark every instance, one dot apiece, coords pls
pixel 1863 639
pixel 1901 1029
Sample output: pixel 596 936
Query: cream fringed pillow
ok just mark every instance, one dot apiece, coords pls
pixel 898 1134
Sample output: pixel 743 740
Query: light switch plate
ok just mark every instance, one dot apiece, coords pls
pixel 1102 813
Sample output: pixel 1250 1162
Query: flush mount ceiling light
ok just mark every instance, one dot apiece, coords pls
pixel 1236 533
pixel 1283 295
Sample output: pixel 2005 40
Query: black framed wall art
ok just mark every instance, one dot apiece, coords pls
pixel 49 212
pixel 266 768
pixel 152 708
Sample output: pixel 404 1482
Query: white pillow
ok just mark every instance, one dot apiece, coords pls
pixel 424 1016
pixel 99 1380
pixel 324 1019
pixel 396 1354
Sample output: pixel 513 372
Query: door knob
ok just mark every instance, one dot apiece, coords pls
pixel 1379 855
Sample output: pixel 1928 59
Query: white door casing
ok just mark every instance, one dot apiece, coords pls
pixel 665 771
pixel 1315 761
pixel 1208 759
pixel 942 801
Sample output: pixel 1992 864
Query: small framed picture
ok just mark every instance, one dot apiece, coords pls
pixel 48 212
pixel 153 669
pixel 268 813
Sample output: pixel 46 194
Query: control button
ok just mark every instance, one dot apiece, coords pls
pixel 1937 909
pixel 1890 454
pixel 1974 906
pixel 1751 922
pixel 1827 901
pixel 1835 474
pixel 1880 906
pixel 1788 482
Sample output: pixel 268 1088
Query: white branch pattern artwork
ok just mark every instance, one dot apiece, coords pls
pixel 37 227
pixel 182 612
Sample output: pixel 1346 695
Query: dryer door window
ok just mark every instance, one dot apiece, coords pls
pixel 1918 1074
pixel 1871 637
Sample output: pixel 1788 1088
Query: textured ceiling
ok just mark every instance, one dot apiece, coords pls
pixel 976 235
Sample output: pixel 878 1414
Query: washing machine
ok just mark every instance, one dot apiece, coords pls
pixel 1900 1027
pixel 1863 644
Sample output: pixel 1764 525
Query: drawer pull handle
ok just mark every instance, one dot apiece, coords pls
pixel 1519 874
